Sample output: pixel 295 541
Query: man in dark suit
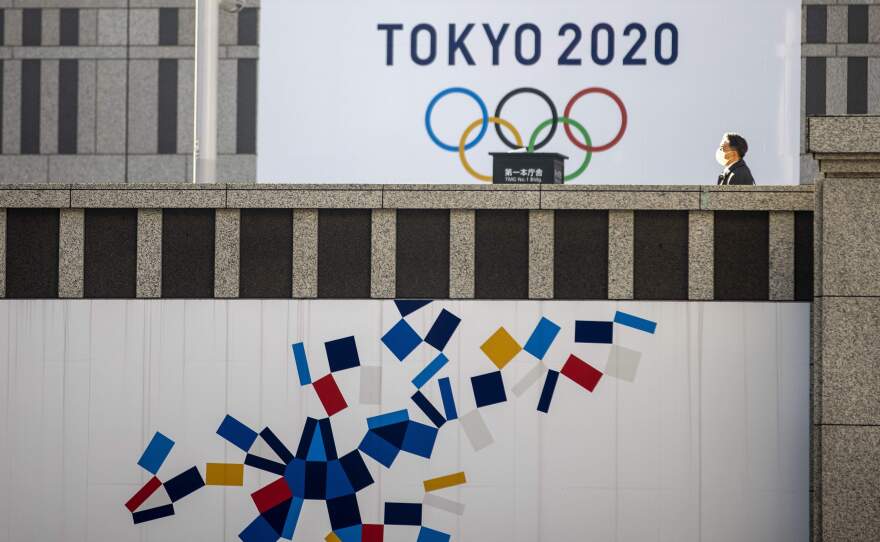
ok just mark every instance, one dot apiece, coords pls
pixel 730 154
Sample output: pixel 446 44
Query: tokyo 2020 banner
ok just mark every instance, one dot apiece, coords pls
pixel 420 92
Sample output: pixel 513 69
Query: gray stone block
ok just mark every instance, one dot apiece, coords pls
pixel 874 84
pixel 23 169
pixel 874 23
pixel 226 106
pixel 112 28
pixel 383 254
pixel 850 496
pixel 849 134
pixel 227 253
pixel 541 254
pixel 12 27
pixel 240 51
pixel 70 253
pixel 818 49
pixel 55 53
pixel 143 110
pixel 67 3
pixel 162 51
pixel 735 198
pixel 51 27
pixel 161 3
pixel 34 195
pixel 11 113
pixel 228 33
pixel 49 107
pixel 88 27
pixel 620 254
pixel 305 253
pixel 236 168
pixel 87 168
pixel 837 24
pixel 149 253
pixel 110 109
pixel 87 107
pixel 809 169
pixel 851 237
pixel 143 26
pixel 850 361
pixel 461 197
pixel 148 195
pixel 185 90
pixel 305 196
pixel 781 255
pixel 161 168
pixel 462 238
pixel 186 29
pixel 701 255
pixel 608 197
pixel 835 86
pixel 859 49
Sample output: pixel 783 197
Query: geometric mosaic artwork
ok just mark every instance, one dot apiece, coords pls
pixel 317 470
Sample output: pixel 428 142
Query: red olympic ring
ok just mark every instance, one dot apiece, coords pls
pixel 617 100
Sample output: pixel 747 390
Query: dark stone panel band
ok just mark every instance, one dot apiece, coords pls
pixel 660 255
pixel 246 110
pixel 110 253
pixel 422 264
pixel 857 85
pixel 266 253
pixel 32 253
pixel 167 107
pixel 68 105
pixel 857 24
pixel 247 26
pixel 815 83
pixel 580 254
pixel 30 106
pixel 344 245
pixel 168 26
pixel 69 27
pixel 32 27
pixel 817 24
pixel 188 253
pixel 803 256
pixel 742 255
pixel 501 254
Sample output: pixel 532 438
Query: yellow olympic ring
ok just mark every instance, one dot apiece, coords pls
pixel 463 141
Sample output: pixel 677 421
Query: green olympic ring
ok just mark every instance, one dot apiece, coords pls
pixel 565 120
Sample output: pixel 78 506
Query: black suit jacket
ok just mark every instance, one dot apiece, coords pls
pixel 739 173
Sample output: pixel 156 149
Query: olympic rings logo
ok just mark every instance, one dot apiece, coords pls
pixel 585 143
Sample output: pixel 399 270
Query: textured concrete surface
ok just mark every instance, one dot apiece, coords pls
pixel 620 254
pixel 781 255
pixel 383 254
pixel 150 196
pixel 226 252
pixel 701 254
pixel 305 253
pixel 541 228
pixel 462 237
pixel 305 196
pixel 779 199
pixel 70 253
pixel 850 487
pixel 34 196
pixel 609 197
pixel 149 253
pixel 461 197
pixel 844 134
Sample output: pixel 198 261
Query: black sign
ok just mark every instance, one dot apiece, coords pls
pixel 528 167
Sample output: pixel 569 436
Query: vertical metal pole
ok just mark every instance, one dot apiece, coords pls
pixel 206 66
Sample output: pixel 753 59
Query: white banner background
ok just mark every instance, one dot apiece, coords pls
pixel 331 110
pixel 710 442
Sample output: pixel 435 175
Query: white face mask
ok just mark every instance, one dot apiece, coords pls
pixel 719 157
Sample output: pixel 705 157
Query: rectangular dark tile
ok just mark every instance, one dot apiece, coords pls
pixel 188 253
pixel 501 254
pixel 30 106
pixel 167 107
pixel 32 253
pixel 742 255
pixel 803 256
pixel 32 26
pixel 266 253
pixel 69 27
pixel 68 105
pixel 856 85
pixel 815 82
pixel 660 259
pixel 247 26
pixel 422 263
pixel 580 254
pixel 110 253
pixel 344 244
pixel 169 23
pixel 246 109
pixel 817 24
pixel 857 24
pixel 2 27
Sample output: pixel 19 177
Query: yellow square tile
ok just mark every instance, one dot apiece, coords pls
pixel 224 474
pixel 501 348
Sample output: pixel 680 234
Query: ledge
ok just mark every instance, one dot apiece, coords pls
pixel 844 134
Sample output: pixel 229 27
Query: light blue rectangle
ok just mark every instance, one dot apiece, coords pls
pixel 430 370
pixel 292 518
pixel 302 364
pixel 634 322
pixel 156 452
pixel 541 339
pixel 448 400
pixel 389 418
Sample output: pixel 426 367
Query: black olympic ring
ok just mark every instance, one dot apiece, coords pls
pixel 536 92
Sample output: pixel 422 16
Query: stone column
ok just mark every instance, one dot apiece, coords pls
pixel 846 348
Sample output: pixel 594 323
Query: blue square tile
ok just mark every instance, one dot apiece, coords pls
pixel 401 340
pixel 488 389
pixel 342 354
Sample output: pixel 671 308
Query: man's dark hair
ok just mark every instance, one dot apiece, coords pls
pixel 738 143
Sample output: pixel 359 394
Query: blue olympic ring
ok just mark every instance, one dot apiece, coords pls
pixel 456 90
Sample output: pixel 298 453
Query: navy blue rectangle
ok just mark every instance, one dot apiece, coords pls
pixel 30 106
pixel 158 512
pixel 246 107
pixel 69 27
pixel 344 512
pixel 262 463
pixel 168 26
pixel 593 332
pixel 356 469
pixel 32 27
pixel 277 446
pixel 403 513
pixel 442 330
pixel 183 484
pixel 547 391
pixel 305 440
pixel 327 437
pixel 316 479
pixel 425 405
pixel 167 107
pixel 68 105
